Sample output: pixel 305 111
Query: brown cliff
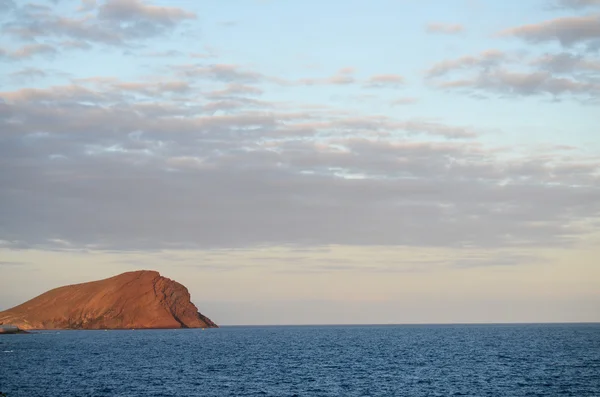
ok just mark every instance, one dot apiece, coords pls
pixel 142 299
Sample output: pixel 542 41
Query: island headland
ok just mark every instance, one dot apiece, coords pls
pixel 134 300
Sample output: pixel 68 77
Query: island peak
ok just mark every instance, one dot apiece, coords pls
pixel 138 299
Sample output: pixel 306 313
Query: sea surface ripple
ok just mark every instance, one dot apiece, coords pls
pixel 409 360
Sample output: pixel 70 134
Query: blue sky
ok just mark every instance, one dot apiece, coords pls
pixel 296 40
pixel 464 129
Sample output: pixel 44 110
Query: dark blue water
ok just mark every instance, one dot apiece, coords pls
pixel 475 360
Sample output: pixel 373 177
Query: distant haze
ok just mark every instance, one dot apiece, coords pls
pixel 307 162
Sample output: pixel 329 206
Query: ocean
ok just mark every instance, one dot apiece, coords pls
pixel 403 360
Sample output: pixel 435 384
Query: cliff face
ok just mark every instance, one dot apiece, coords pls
pixel 142 299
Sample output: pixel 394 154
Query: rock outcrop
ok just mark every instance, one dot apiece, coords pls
pixel 141 299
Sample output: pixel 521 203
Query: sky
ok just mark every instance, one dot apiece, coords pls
pixel 307 162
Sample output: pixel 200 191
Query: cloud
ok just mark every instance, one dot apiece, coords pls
pixel 576 4
pixel 137 10
pixel 154 88
pixel 114 22
pixel 565 63
pixel 229 24
pixel 28 51
pixel 87 5
pixel 445 28
pixel 163 54
pixel 347 70
pixel 107 164
pixel 342 77
pixel 238 75
pixel 75 45
pixel 221 72
pixel 227 105
pixel 234 89
pixel 7 5
pixel 507 82
pixel 12 263
pixel 560 75
pixel 385 81
pixel 209 52
pixel 28 74
pixel 507 259
pixel 201 55
pixel 437 129
pixel 568 31
pixel 378 126
pixel 485 59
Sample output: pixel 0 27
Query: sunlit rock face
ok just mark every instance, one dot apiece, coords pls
pixel 141 299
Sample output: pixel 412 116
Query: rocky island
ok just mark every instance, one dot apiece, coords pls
pixel 140 300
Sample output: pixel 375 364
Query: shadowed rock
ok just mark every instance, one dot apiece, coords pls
pixel 141 299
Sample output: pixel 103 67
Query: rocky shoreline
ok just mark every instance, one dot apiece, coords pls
pixel 11 330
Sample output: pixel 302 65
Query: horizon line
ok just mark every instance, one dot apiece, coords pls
pixel 413 324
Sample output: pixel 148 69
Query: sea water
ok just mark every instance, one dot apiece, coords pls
pixel 410 360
